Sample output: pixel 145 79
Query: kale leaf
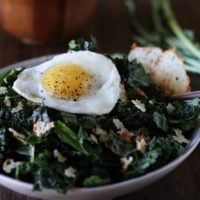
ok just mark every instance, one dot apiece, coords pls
pixel 71 138
pixel 81 44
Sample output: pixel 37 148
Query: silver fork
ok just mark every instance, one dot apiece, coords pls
pixel 188 95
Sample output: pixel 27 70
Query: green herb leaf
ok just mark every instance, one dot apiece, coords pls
pixel 69 137
pixel 118 146
pixel 160 121
pixel 10 76
pixel 95 180
pixel 165 31
pixel 137 76
pixel 81 44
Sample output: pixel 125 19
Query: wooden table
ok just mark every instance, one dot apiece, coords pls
pixel 111 26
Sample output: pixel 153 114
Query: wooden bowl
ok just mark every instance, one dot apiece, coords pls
pixel 39 21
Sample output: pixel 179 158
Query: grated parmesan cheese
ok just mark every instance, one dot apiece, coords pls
pixel 119 125
pixel 93 138
pixel 70 172
pixel 180 137
pixel 141 144
pixel 19 107
pixel 170 108
pixel 40 127
pixel 3 90
pixel 126 162
pixel 59 156
pixel 138 104
pixel 9 165
pixel 7 102
pixel 103 135
pixel 126 135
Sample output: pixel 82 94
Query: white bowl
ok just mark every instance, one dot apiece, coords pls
pixel 102 192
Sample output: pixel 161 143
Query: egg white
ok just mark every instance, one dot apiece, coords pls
pixel 100 100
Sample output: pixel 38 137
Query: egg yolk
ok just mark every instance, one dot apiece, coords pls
pixel 67 81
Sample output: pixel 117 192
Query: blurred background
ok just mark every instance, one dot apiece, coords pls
pixel 46 26
pixel 32 28
pixel 45 22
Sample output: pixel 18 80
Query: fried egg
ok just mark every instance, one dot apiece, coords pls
pixel 77 82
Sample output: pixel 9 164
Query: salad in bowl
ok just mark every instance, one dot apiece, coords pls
pixel 81 124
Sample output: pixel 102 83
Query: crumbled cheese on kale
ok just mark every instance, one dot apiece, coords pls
pixel 141 144
pixel 99 131
pixel 138 104
pixel 126 161
pixel 103 135
pixel 122 95
pixel 180 137
pixel 70 172
pixel 170 108
pixel 59 156
pixel 119 125
pixel 19 107
pixel 40 127
pixel 3 90
pixel 93 138
pixel 9 165
pixel 125 134
pixel 7 102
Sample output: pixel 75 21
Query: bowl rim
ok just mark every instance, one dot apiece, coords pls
pixel 189 149
pixel 195 140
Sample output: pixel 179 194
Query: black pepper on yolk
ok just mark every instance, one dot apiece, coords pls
pixel 67 81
